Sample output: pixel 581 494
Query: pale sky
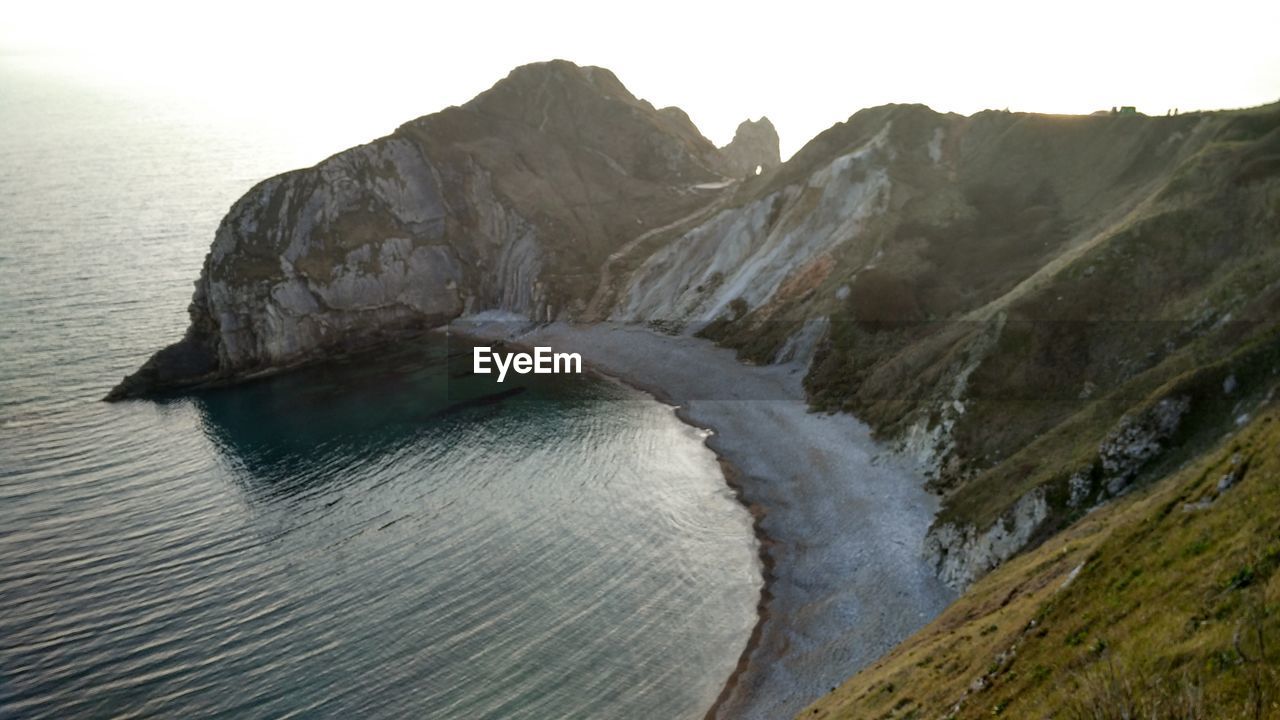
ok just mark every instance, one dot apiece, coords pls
pixel 356 70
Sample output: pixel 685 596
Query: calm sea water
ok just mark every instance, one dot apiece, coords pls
pixel 352 540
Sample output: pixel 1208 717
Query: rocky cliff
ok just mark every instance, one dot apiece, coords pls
pixel 512 201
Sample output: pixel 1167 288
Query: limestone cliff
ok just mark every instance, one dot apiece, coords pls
pixel 511 201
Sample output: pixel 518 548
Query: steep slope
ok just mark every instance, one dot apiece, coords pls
pixel 1160 605
pixel 511 201
pixel 1003 295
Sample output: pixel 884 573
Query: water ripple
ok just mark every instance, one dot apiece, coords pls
pixel 320 545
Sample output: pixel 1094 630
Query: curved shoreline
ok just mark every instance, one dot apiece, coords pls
pixel 764 542
pixel 840 524
pixel 764 552
pixel 733 479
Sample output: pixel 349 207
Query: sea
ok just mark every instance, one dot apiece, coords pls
pixel 383 536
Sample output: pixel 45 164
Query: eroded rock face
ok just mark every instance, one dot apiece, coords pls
pixel 512 202
pixel 311 258
pixel 754 147
pixel 1138 439
pixel 749 252
pixel 962 553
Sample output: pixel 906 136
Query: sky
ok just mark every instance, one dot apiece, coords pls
pixel 353 71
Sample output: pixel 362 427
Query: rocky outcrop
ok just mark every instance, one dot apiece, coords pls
pixel 753 150
pixel 1138 440
pixel 1154 437
pixel 510 202
pixel 962 553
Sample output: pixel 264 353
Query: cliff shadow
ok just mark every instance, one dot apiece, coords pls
pixel 318 425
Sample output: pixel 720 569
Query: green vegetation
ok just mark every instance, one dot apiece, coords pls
pixel 1047 305
pixel 1163 604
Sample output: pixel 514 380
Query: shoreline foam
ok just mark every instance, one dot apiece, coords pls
pixel 839 522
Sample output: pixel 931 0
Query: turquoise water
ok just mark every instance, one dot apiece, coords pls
pixel 360 539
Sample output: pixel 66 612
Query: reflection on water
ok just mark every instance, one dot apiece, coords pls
pixel 316 421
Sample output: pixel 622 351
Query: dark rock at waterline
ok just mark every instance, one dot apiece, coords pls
pixel 183 363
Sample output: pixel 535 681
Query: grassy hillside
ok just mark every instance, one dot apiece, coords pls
pixel 1035 289
pixel 1163 604
pixel 1087 293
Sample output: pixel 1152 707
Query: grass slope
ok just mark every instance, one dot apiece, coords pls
pixel 1163 604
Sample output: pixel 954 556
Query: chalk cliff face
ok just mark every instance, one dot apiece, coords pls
pixel 1008 298
pixel 511 201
